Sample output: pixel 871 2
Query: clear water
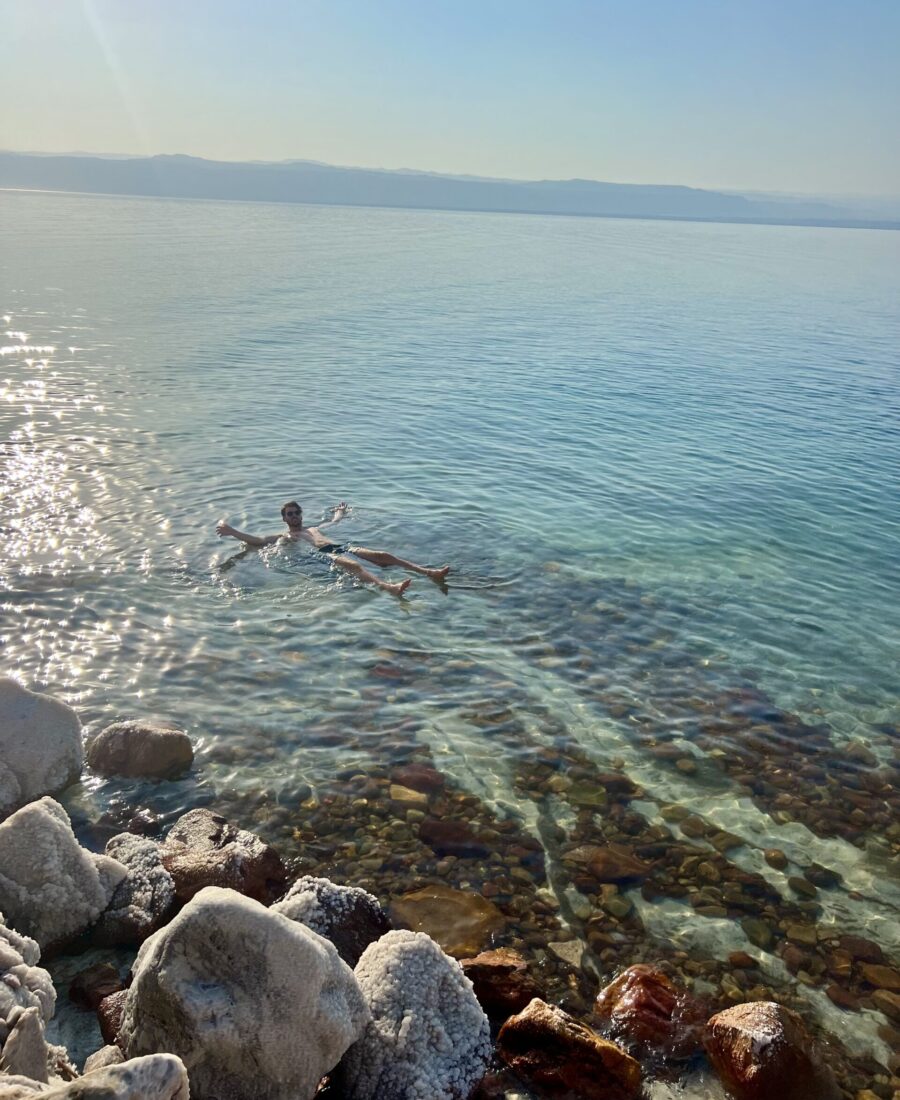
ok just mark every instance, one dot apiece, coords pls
pixel 691 429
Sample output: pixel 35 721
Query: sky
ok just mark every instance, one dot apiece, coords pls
pixel 767 95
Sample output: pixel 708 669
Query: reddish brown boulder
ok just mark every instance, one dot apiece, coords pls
pixel 459 920
pixel 420 777
pixel 762 1050
pixel 609 863
pixel 643 1008
pixel 501 981
pixel 109 1014
pixel 202 849
pixel 451 838
pixel 861 949
pixel 141 749
pixel 563 1058
pixel 882 977
pixel 90 986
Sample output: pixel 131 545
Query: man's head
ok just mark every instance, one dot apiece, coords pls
pixel 292 514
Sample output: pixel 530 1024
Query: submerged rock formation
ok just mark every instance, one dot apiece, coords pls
pixel 256 1004
pixel 141 749
pixel 40 745
pixel 428 1036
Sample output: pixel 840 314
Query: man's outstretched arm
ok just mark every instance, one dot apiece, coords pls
pixel 225 530
pixel 338 512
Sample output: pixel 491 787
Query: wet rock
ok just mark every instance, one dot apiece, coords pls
pixel 740 960
pixel 105 1056
pixel 758 932
pixel 428 1036
pixel 406 796
pixel 609 863
pixel 228 976
pixel 762 1050
pixel 109 1015
pixel 451 838
pixel 420 777
pixel 775 858
pixel 887 1002
pixel 842 998
pixel 645 1009
pixel 143 900
pixel 141 749
pixel 202 849
pixel 460 921
pixel 347 916
pixel 561 1057
pixel 883 977
pixel 90 986
pixel 501 981
pixel 60 894
pixel 40 745
pixel 822 876
pixel 861 949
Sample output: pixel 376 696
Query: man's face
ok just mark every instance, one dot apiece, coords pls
pixel 293 517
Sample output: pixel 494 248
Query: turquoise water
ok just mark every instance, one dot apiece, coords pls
pixel 657 455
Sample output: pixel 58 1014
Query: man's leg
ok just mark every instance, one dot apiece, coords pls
pixel 351 566
pixel 384 559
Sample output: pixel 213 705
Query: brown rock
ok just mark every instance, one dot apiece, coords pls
pixel 762 1051
pixel 420 777
pixel 775 858
pixel 461 922
pixel 740 960
pixel 90 986
pixel 501 981
pixel 842 998
pixel 862 950
pixel 648 1011
pixel 884 977
pixel 451 838
pixel 609 863
pixel 563 1058
pixel 887 1002
pixel 109 1015
pixel 140 749
pixel 202 849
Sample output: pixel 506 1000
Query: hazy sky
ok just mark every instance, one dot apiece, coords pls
pixel 793 95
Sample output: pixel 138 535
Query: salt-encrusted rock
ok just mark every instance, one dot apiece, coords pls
pixel 157 1077
pixel 651 1014
pixel 501 982
pixel 143 900
pixel 141 749
pixel 105 1056
pixel 428 1036
pixel 50 887
pixel 347 916
pixel 256 1004
pixel 202 849
pixel 40 745
pixel 16 1087
pixel 762 1050
pixel 546 1046
pixel 461 921
pixel 24 1050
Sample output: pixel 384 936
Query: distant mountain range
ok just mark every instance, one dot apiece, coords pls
pixel 312 182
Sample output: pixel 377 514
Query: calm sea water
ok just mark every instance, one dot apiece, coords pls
pixel 689 429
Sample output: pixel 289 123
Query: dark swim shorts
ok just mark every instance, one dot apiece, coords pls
pixel 331 548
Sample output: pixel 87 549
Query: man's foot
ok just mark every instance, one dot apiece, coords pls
pixel 438 574
pixel 399 588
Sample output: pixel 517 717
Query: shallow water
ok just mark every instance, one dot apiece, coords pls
pixel 662 459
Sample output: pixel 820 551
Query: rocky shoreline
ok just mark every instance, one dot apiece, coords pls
pixel 391 936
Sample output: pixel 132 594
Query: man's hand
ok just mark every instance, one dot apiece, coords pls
pixel 224 530
pixel 343 508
